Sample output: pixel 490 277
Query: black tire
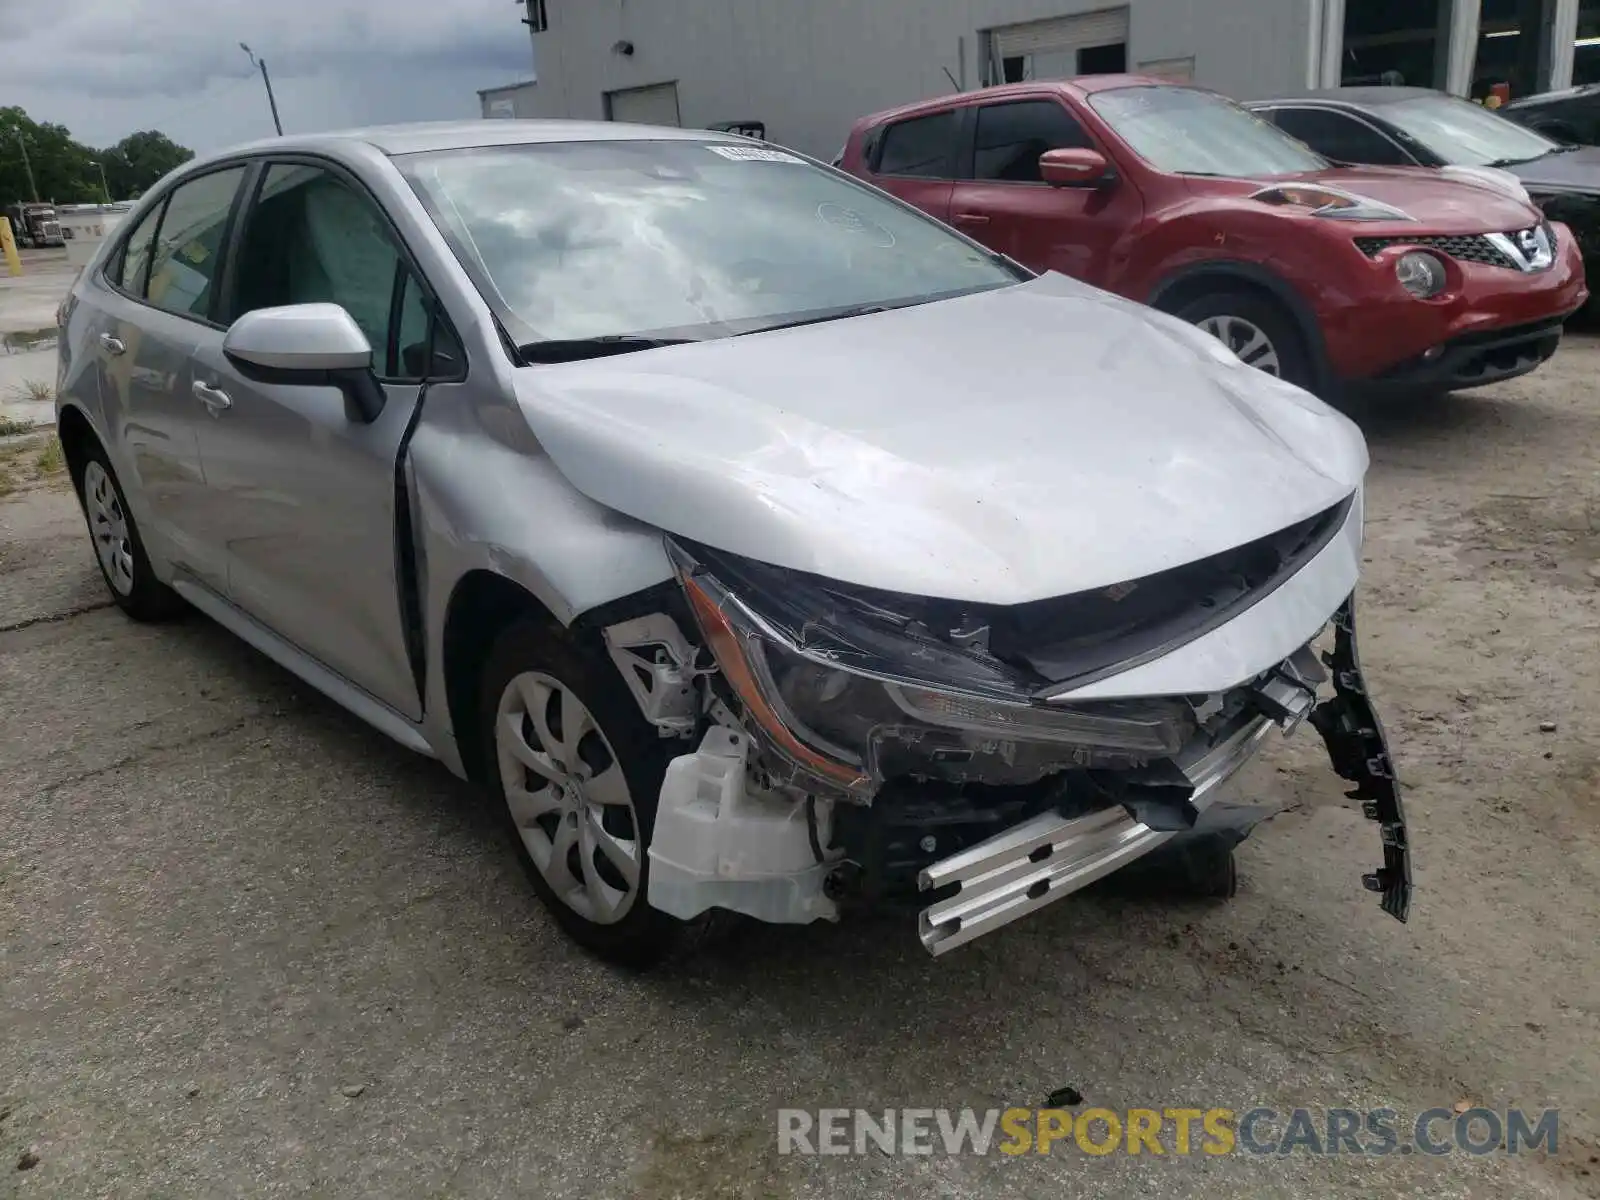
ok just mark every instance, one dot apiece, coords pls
pixel 148 599
pixel 1267 315
pixel 644 936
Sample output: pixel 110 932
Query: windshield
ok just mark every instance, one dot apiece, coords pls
pixel 1190 132
pixel 682 239
pixel 1466 134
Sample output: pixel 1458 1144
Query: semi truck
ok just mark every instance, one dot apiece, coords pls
pixel 36 225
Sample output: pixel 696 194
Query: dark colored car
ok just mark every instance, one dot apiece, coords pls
pixel 1178 198
pixel 1570 115
pixel 1398 126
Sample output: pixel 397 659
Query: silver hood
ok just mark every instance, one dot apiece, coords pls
pixel 1009 446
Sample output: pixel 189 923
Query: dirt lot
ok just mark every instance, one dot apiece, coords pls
pixel 248 947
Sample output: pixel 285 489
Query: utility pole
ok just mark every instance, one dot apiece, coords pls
pixel 266 79
pixel 33 188
pixel 105 188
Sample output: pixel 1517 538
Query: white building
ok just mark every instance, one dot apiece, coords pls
pixel 809 68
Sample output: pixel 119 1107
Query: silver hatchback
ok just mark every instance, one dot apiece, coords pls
pixel 759 543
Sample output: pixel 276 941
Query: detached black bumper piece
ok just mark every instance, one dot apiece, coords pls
pixel 1359 751
pixel 1476 359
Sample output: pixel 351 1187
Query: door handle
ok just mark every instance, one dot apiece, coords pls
pixel 971 219
pixel 213 398
pixel 111 345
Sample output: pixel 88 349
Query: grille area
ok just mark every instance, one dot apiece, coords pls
pixel 1472 247
pixel 1077 638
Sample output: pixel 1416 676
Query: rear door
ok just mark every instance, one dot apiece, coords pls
pixel 1002 200
pixel 915 158
pixel 158 299
pixel 307 494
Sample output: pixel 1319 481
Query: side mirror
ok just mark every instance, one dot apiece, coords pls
pixel 1075 168
pixel 307 345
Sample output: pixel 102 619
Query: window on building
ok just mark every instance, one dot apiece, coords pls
pixel 921 147
pixel 1340 137
pixel 1395 42
pixel 188 246
pixel 1103 60
pixel 1011 137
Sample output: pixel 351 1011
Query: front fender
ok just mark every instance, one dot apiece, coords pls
pixel 1223 271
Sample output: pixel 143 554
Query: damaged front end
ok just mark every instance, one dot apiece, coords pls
pixel 864 747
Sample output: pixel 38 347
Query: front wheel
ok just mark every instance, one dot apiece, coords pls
pixel 579 771
pixel 1257 329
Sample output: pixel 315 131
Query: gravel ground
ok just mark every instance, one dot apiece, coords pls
pixel 250 948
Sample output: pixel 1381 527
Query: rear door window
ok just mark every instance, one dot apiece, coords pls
pixel 185 265
pixel 1011 137
pixel 923 147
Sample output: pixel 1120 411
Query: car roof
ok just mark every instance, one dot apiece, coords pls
pixel 1082 84
pixel 423 136
pixel 1356 97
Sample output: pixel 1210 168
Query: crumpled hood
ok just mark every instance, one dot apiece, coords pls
pixel 1009 446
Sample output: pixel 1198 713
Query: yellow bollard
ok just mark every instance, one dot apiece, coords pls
pixel 9 245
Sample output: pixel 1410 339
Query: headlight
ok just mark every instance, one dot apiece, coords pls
pixel 1421 274
pixel 1331 202
pixel 832 674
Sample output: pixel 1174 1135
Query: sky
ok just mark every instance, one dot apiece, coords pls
pixel 108 68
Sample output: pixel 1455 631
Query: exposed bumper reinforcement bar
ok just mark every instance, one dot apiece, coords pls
pixel 1050 856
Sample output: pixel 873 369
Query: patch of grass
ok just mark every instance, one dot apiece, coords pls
pixel 52 459
pixel 29 462
pixel 38 391
pixel 10 426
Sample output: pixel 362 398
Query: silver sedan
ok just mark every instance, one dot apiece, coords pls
pixel 759 544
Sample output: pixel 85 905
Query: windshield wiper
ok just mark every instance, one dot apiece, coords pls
pixel 1503 163
pixel 562 350
pixel 838 314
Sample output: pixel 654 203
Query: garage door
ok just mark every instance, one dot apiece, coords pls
pixel 1061 35
pixel 653 105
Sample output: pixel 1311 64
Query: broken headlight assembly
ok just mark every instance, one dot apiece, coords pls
pixel 852 686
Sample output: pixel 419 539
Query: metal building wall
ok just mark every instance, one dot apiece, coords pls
pixel 809 68
pixel 514 100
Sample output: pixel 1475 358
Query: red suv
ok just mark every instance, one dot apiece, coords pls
pixel 1175 196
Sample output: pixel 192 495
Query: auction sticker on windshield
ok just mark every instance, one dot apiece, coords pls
pixel 754 154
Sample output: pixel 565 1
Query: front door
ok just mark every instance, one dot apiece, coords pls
pixel 306 493
pixel 157 308
pixel 1004 202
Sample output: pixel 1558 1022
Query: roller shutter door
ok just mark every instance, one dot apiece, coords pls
pixel 1061 34
pixel 654 105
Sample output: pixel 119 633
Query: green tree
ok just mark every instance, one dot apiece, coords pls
pixel 63 170
pixel 67 172
pixel 138 160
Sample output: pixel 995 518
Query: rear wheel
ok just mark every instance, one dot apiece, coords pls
pixel 117 546
pixel 1255 327
pixel 579 771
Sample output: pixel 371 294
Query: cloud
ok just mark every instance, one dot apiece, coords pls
pixel 105 68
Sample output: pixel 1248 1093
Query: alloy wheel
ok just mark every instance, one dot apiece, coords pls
pixel 568 797
pixel 108 525
pixel 1245 339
